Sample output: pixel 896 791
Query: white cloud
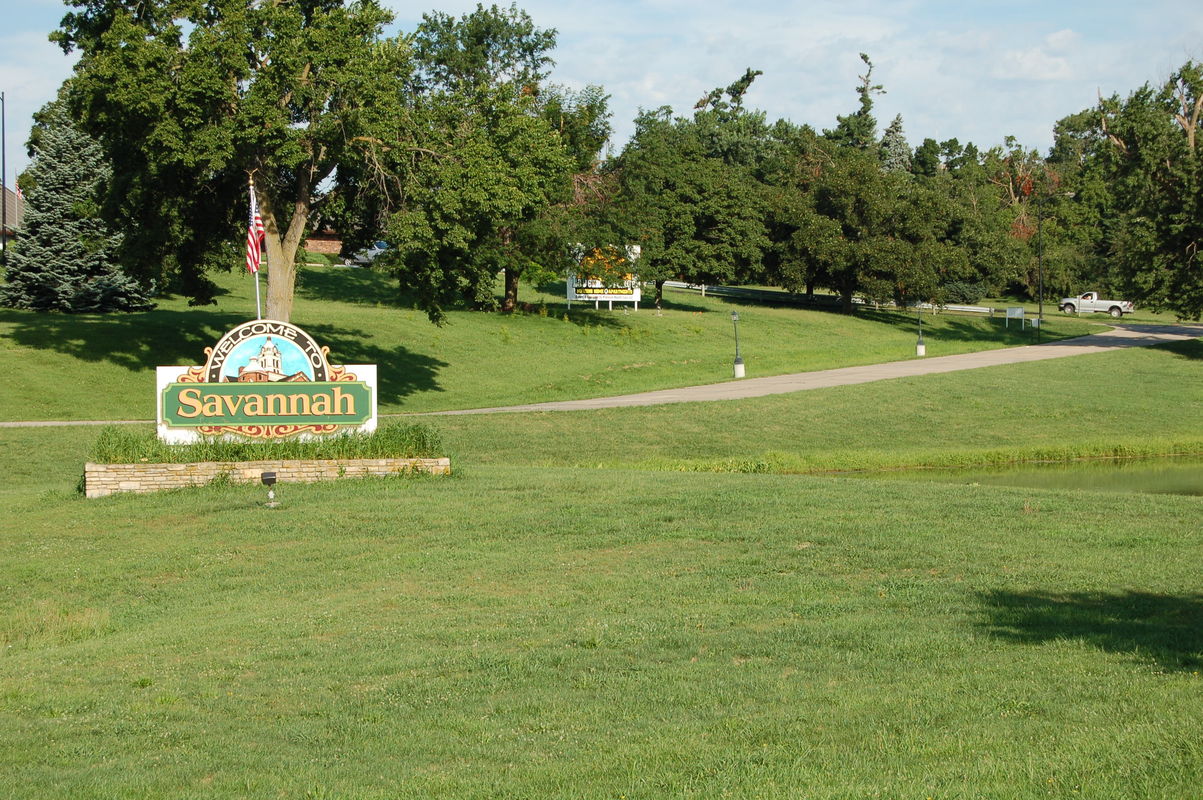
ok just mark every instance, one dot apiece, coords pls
pixel 1033 64
pixel 1051 61
pixel 975 71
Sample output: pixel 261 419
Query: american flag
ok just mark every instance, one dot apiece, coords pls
pixel 254 237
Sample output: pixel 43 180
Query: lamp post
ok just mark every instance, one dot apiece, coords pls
pixel 920 347
pixel 739 362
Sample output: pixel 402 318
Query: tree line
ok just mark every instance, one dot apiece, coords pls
pixel 452 143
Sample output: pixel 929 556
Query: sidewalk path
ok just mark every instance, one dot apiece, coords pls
pixel 1119 337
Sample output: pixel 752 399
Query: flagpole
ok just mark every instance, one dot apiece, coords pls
pixel 263 256
pixel 254 213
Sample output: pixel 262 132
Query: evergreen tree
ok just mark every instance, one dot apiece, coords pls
pixel 63 260
pixel 859 129
pixel 927 159
pixel 895 153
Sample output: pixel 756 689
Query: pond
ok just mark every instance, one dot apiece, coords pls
pixel 1177 475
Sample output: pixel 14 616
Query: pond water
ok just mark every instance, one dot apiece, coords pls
pixel 1157 476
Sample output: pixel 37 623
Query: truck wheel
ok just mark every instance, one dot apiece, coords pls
pixel 1116 312
pixel 1068 308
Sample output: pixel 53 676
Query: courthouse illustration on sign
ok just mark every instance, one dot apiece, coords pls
pixel 265 380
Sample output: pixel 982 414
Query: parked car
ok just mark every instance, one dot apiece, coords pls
pixel 365 257
pixel 1089 302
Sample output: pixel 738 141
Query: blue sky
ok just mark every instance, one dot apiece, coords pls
pixel 977 71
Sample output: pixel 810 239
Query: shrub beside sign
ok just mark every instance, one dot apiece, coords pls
pixel 265 380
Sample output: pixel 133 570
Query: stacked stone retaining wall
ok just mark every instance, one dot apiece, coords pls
pixel 101 480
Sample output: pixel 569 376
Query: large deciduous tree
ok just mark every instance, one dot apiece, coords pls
pixel 490 159
pixel 190 99
pixel 64 258
pixel 846 224
pixel 695 217
pixel 688 192
pixel 1154 160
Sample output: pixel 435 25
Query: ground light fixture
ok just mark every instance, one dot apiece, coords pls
pixel 920 347
pixel 269 480
pixel 739 362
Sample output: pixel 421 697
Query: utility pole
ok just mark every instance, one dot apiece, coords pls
pixel 3 184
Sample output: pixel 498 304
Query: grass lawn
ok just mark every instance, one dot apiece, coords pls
pixel 476 360
pixel 667 625
pixel 1043 410
pixel 545 632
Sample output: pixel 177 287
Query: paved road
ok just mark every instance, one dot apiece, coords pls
pixel 1119 337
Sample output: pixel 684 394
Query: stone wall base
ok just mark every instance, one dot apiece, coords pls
pixel 101 480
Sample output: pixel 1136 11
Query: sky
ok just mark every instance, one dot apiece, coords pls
pixel 974 71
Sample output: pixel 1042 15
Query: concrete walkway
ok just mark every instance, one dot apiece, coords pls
pixel 1119 337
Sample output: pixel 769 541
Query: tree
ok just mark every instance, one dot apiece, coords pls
pixel 64 258
pixel 844 223
pixel 483 175
pixel 1154 160
pixel 927 158
pixel 973 209
pixel 695 216
pixel 487 162
pixel 894 152
pixel 191 99
pixel 859 129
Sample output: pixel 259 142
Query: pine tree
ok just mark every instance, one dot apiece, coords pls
pixel 859 129
pixel 895 153
pixel 62 261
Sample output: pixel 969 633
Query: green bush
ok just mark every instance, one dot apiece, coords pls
pixel 117 445
pixel 964 292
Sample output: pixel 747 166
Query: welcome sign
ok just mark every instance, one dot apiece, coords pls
pixel 265 380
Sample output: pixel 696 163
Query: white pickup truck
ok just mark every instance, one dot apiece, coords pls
pixel 1089 302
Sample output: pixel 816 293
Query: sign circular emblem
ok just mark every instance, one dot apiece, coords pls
pixel 266 350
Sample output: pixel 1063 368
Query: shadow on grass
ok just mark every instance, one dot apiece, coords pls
pixel 350 285
pixel 961 329
pixel 1165 629
pixel 133 341
pixel 1192 349
pixel 400 372
pixel 139 342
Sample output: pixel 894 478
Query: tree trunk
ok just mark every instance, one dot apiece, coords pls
pixel 281 248
pixel 509 303
pixel 659 293
pixel 846 300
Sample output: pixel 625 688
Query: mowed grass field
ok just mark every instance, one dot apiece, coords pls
pixel 636 603
pixel 476 360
